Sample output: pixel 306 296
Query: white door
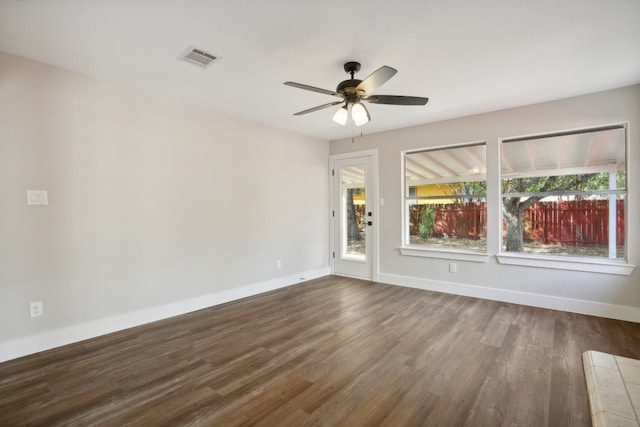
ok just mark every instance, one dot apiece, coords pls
pixel 353 217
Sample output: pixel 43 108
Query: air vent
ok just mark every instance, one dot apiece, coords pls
pixel 198 57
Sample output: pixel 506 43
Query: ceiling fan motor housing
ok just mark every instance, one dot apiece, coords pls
pixel 348 87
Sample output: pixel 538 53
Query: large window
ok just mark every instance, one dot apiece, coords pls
pixel 445 198
pixel 564 194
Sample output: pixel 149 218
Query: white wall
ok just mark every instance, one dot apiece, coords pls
pixel 155 207
pixel 608 295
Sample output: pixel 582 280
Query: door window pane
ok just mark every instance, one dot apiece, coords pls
pixel 354 233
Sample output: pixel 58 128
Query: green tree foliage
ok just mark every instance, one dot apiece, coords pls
pixel 464 192
pixel 514 207
pixel 425 226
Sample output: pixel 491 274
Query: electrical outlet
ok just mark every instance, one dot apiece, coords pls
pixel 453 267
pixel 278 265
pixel 35 309
pixel 37 197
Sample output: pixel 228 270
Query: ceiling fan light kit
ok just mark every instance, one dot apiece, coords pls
pixel 354 92
pixel 341 115
pixel 360 114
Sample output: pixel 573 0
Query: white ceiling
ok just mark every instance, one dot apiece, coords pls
pixel 467 56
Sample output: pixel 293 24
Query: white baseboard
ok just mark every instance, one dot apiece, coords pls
pixel 30 344
pixel 620 312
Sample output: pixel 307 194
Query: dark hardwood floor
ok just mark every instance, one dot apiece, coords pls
pixel 332 351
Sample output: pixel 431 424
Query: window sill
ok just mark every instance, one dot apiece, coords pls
pixel 445 254
pixel 564 263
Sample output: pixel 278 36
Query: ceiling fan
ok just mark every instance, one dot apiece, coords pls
pixel 353 92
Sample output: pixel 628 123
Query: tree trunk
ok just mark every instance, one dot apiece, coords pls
pixel 512 212
pixel 353 231
pixel 515 230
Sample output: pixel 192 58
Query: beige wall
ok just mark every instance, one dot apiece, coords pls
pixel 604 294
pixel 150 202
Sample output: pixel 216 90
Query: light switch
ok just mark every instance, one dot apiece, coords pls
pixel 37 197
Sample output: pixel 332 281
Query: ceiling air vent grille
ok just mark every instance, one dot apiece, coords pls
pixel 198 57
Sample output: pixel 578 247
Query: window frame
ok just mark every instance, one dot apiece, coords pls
pixel 494 190
pixel 407 248
pixel 618 266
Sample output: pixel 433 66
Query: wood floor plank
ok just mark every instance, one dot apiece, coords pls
pixel 568 400
pixel 332 351
pixel 497 328
pixel 414 406
pixel 379 396
pixel 463 376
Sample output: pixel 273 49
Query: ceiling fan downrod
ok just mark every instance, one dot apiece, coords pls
pixel 352 68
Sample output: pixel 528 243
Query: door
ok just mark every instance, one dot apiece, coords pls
pixel 353 217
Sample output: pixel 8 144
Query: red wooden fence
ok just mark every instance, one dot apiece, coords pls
pixel 468 220
pixel 581 222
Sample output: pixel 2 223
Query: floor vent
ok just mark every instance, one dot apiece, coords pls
pixel 198 57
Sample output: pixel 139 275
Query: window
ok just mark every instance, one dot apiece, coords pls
pixel 564 194
pixel 445 198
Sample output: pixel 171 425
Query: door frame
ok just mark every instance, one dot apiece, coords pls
pixel 372 188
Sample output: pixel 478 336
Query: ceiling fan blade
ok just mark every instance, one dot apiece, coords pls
pixel 396 100
pixel 313 89
pixel 319 107
pixel 376 79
